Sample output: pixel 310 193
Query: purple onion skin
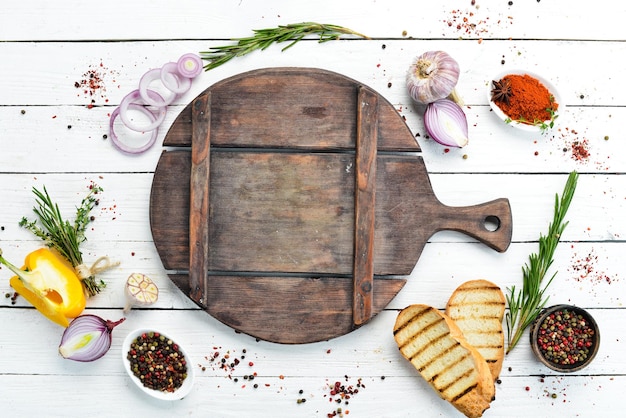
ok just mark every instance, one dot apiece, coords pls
pixel 85 323
pixel 446 123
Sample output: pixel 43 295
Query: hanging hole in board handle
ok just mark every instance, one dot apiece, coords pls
pixel 491 223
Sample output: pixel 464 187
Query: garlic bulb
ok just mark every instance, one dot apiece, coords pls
pixel 140 290
pixel 433 76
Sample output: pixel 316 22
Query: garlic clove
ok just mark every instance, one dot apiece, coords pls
pixel 140 291
pixel 433 76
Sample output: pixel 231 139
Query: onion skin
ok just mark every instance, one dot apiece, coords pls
pixel 87 338
pixel 446 123
pixel 432 76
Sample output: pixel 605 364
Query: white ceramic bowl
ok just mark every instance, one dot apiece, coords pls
pixel 179 393
pixel 519 125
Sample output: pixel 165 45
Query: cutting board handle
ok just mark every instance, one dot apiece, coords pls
pixel 490 222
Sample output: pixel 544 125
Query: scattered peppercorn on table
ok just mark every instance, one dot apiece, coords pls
pixel 66 69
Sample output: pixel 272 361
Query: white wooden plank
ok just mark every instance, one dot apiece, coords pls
pixel 392 397
pixel 30 361
pixel 31 348
pixel 30 20
pixel 120 65
pixel 587 273
pixel 123 214
pixel 41 137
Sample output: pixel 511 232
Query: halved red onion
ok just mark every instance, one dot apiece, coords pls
pixel 446 123
pixel 87 338
pixel 173 80
pixel 144 83
pixel 133 97
pixel 127 148
pixel 189 65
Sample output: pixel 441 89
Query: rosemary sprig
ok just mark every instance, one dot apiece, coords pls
pixel 525 305
pixel 263 38
pixel 62 235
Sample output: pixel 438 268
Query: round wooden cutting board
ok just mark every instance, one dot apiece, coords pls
pixel 291 204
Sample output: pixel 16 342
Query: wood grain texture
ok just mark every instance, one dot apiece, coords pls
pixel 199 199
pixel 270 101
pixel 365 205
pixel 281 209
pixel 289 310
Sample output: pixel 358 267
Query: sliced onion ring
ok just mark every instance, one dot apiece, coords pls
pixel 189 65
pixel 123 147
pixel 173 80
pixel 446 123
pixel 132 97
pixel 149 77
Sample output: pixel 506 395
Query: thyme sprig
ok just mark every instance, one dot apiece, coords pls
pixel 61 234
pixel 525 305
pixel 263 38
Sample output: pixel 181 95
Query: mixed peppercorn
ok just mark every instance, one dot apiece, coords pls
pixel 158 362
pixel 565 338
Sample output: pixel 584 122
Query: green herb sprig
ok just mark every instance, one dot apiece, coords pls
pixel 525 305
pixel 62 235
pixel 263 38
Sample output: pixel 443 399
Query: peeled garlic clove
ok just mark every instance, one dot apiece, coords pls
pixel 140 291
pixel 432 76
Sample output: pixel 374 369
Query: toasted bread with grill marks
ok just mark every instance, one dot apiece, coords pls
pixel 435 346
pixel 477 307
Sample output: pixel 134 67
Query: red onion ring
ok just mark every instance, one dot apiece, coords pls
pixel 149 77
pixel 176 77
pixel 189 65
pixel 126 148
pixel 180 84
pixel 131 98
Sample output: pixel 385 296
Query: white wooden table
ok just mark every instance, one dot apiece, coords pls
pixel 51 136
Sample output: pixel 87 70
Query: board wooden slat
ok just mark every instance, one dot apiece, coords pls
pixel 288 310
pixel 271 100
pixel 365 205
pixel 199 199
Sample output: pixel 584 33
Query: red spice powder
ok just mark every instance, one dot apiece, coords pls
pixel 529 99
pixel 579 150
pixel 92 83
pixel 584 268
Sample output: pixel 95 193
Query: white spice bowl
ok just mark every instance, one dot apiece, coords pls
pixel 521 125
pixel 177 394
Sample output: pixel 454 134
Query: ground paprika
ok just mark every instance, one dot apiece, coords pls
pixel 527 100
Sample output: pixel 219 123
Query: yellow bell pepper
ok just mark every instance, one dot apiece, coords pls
pixel 50 284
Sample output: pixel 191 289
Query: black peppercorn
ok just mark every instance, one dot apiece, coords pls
pixel 157 362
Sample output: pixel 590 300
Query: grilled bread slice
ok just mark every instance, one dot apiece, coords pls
pixel 477 307
pixel 435 346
